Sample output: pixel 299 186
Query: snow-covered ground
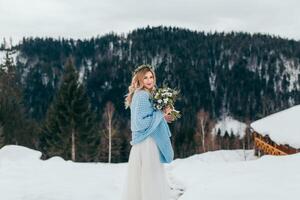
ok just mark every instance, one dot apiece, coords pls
pixel 218 175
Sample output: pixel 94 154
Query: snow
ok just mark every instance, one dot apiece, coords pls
pixel 247 180
pixel 111 46
pixel 24 176
pixel 282 127
pixel 223 174
pixel 2 56
pixel 227 123
pixel 12 153
pixel 156 60
pixel 292 69
pixel 212 81
pixel 45 79
pixel 81 74
pixel 12 55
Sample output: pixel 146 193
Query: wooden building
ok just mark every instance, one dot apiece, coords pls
pixel 277 134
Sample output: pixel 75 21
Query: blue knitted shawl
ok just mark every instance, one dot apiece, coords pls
pixel 146 121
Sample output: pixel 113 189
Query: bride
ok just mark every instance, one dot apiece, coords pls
pixel 151 146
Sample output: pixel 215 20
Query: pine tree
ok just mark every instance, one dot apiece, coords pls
pixel 218 139
pixel 12 116
pixel 70 128
pixel 225 142
pixel 232 140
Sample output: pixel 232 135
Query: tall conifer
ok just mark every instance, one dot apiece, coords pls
pixel 70 128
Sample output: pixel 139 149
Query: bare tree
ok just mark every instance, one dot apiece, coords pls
pixel 248 134
pixel 211 137
pixel 73 144
pixel 246 140
pixel 108 117
pixel 203 131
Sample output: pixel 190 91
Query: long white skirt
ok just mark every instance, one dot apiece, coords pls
pixel 146 178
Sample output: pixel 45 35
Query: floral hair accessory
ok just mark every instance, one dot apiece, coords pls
pixel 142 67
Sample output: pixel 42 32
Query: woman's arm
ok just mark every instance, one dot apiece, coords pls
pixel 143 114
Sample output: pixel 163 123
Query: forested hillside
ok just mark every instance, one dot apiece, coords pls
pixel 245 76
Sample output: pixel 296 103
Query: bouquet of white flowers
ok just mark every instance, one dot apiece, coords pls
pixel 164 97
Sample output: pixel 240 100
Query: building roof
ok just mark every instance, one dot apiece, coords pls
pixel 282 127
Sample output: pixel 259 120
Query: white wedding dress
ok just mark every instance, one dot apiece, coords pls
pixel 146 177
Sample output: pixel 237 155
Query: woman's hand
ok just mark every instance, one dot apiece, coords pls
pixel 167 115
pixel 167 110
pixel 168 118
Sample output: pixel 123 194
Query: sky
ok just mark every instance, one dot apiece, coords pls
pixel 85 19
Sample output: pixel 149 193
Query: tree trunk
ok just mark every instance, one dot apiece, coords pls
pixel 73 145
pixel 108 114
pixel 109 139
pixel 203 135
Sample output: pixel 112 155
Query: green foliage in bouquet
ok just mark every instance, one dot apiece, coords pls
pixel 163 97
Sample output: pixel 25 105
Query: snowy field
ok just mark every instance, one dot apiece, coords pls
pixel 219 175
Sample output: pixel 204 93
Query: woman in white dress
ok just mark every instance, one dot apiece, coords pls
pixel 146 177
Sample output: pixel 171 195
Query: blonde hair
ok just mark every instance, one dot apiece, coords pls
pixel 137 82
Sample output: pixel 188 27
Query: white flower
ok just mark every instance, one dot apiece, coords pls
pixel 159 100
pixel 166 100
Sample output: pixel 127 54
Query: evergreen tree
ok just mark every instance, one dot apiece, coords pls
pixel 70 128
pixel 38 94
pixel 225 144
pixel 232 140
pixel 218 139
pixel 12 116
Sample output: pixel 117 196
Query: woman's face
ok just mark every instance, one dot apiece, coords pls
pixel 148 80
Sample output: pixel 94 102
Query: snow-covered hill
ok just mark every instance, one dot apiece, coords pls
pixel 226 175
pixel 231 125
